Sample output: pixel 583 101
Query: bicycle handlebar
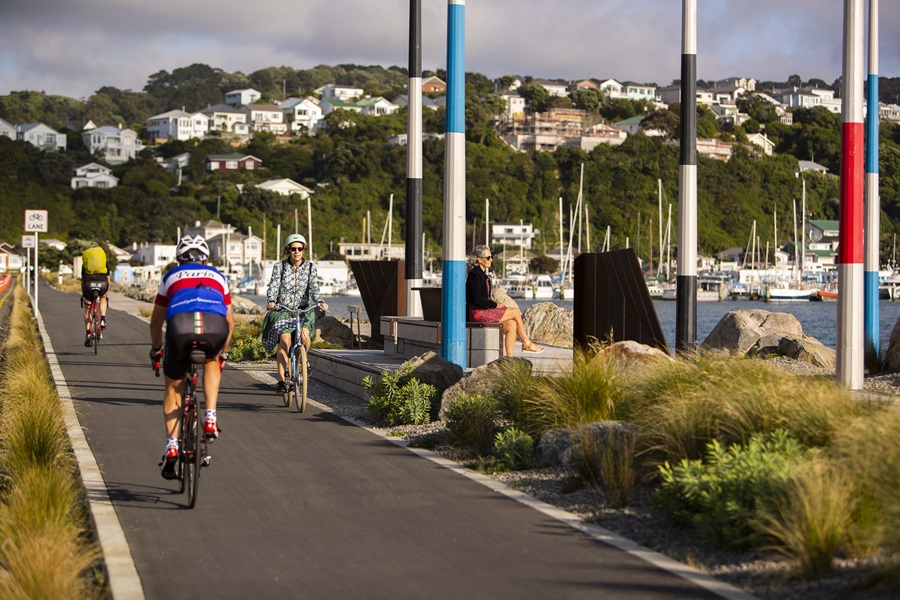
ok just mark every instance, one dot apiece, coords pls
pixel 297 311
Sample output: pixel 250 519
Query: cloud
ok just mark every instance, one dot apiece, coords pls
pixel 73 49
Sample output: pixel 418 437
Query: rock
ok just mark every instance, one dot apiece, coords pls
pixel 893 352
pixel 566 448
pixel 333 331
pixel 547 323
pixel 740 330
pixel 477 381
pixel 430 368
pixel 808 349
pixel 631 357
pixel 242 306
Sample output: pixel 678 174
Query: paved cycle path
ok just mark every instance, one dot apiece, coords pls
pixel 310 506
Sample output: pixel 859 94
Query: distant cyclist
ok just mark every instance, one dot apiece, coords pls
pixel 195 305
pixel 293 284
pixel 94 276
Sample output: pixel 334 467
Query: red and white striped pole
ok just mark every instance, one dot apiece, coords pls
pixel 850 348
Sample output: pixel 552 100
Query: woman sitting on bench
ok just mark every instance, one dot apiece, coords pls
pixel 480 307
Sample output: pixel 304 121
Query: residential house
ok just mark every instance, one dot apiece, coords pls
pixel 177 125
pixel 585 84
pixel 714 148
pixel 634 124
pixel 515 104
pixel 228 119
pixel 7 129
pixel 544 131
pixel 808 165
pixel 174 163
pixel 304 115
pixel 515 84
pixel 42 136
pixel 809 98
pixel 153 254
pixel 208 229
pixel 266 117
pixel 761 140
pixel 726 94
pixel 235 248
pixel 372 107
pixel 402 101
pixel 341 92
pixel 672 93
pixel 519 234
pixel 613 89
pixel 822 241
pixel 94 175
pixel 10 260
pixel 232 162
pixel 434 84
pixel 601 133
pixel 401 139
pixel 363 251
pixel 639 91
pixel 112 144
pixel 285 187
pixel 554 88
pixel 889 112
pixel 242 97
pixel 747 84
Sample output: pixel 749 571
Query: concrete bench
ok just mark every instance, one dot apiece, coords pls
pixel 412 336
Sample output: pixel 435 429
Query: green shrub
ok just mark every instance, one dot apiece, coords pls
pixel 514 450
pixel 397 398
pixel 471 420
pixel 721 496
pixel 513 386
pixel 246 343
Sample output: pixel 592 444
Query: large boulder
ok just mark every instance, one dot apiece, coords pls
pixel 333 331
pixel 547 323
pixel 893 352
pixel 741 330
pixel 632 357
pixel 478 381
pixel 565 447
pixel 430 368
pixel 808 349
pixel 242 306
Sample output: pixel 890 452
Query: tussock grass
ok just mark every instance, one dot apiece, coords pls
pixel 813 519
pixel 684 405
pixel 43 552
pixel 592 392
pixel 514 384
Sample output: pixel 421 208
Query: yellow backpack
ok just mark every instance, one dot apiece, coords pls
pixel 94 261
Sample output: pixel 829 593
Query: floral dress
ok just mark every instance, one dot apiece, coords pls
pixel 294 287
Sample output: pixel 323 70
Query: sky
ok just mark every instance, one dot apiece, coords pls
pixel 74 47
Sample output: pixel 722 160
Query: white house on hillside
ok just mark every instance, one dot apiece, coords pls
pixel 242 97
pixel 513 234
pixel 229 119
pixel 554 88
pixel 341 92
pixel 153 254
pixel 7 129
pixel 42 136
pixel 266 117
pixel 235 249
pixel 94 175
pixel 613 88
pixel 372 107
pixel 285 187
pixel 112 144
pixel 178 125
pixel 303 114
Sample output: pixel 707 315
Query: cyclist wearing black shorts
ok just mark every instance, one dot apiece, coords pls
pixel 195 305
pixel 94 276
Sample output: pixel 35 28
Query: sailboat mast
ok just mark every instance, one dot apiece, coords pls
pixel 795 237
pixel 659 194
pixel 562 267
pixel 803 232
pixel 309 240
pixel 487 221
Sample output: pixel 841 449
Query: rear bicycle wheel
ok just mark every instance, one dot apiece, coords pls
pixel 192 455
pixel 95 327
pixel 300 379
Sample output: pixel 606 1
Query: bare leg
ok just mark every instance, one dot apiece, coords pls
pixel 212 377
pixel 87 318
pixel 509 332
pixel 514 315
pixel 103 304
pixel 284 344
pixel 304 339
pixel 172 406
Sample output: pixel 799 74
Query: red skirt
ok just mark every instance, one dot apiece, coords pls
pixel 486 315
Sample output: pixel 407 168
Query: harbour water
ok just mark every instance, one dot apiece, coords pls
pixel 818 319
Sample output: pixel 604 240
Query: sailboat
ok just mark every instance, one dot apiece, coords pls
pixel 789 291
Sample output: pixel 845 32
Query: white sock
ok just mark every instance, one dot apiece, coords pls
pixel 171 443
pixel 210 415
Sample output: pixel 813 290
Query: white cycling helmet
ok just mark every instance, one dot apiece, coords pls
pixel 192 249
pixel 294 237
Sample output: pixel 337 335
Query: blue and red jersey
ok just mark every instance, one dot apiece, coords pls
pixel 194 287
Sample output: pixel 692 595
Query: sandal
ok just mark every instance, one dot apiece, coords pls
pixel 280 388
pixel 532 348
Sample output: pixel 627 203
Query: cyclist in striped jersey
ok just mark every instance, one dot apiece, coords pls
pixel 195 304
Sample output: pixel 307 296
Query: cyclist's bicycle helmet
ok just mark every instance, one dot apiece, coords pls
pixel 192 249
pixel 295 237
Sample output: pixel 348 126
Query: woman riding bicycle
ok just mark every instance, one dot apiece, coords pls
pixel 195 304
pixel 293 285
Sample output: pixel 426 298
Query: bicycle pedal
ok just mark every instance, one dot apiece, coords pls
pixel 205 461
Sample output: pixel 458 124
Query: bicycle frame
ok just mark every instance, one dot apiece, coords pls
pixel 296 377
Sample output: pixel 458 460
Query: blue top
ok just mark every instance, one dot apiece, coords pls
pixel 194 287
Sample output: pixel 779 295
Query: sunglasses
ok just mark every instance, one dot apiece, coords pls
pixel 297 248
pixel 488 257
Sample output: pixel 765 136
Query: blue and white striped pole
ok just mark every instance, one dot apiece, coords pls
pixel 686 280
pixel 873 202
pixel 453 305
pixel 850 338
pixel 414 250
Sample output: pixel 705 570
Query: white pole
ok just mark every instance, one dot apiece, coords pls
pixel 562 266
pixel 278 242
pixel 28 271
pixel 390 222
pixel 309 249
pixel 487 222
pixel 36 274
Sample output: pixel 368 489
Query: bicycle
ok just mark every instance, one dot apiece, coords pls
pixel 298 365
pixel 95 331
pixel 192 444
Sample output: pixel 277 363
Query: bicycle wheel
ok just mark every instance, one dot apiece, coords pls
pixel 95 327
pixel 192 455
pixel 300 380
pixel 288 395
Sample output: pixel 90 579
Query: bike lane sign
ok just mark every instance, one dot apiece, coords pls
pixel 36 221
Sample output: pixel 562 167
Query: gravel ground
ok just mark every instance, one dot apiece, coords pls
pixel 765 576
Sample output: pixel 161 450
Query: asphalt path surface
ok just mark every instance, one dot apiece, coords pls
pixel 311 506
